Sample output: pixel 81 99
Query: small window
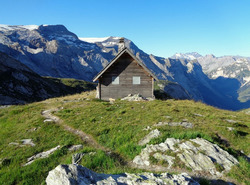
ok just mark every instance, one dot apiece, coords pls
pixel 136 80
pixel 115 79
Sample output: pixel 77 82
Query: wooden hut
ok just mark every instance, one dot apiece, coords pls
pixel 125 75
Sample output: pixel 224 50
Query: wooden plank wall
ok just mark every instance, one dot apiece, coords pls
pixel 125 68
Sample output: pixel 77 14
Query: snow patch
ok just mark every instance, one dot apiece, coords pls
pixel 189 56
pixel 30 27
pixel 190 67
pixel 93 40
pixel 4 27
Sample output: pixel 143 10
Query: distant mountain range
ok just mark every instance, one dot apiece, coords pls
pixel 234 67
pixel 52 50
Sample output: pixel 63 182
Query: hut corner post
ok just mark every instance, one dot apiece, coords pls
pixel 98 90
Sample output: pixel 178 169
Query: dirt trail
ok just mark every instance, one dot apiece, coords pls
pixel 48 114
pixel 85 137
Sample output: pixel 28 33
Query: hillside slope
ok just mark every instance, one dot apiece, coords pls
pixel 19 84
pixel 116 129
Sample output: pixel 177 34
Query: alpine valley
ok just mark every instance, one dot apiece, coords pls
pixel 52 50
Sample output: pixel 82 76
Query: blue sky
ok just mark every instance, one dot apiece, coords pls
pixel 160 27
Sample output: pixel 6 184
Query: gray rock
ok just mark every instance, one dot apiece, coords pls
pixel 168 117
pixel 76 158
pixel 136 97
pixel 33 129
pixel 197 161
pixel 199 115
pixel 75 147
pixel 143 158
pixel 160 124
pixel 4 106
pixel 168 159
pixel 48 120
pixel 184 123
pixel 13 143
pixel 28 142
pixel 197 154
pixel 153 134
pixel 217 154
pixel 230 128
pixel 23 142
pixel 41 155
pixel 231 121
pixel 147 128
pixel 76 174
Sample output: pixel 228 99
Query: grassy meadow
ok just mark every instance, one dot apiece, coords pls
pixel 116 126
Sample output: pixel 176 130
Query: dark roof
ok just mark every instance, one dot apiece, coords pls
pixel 117 57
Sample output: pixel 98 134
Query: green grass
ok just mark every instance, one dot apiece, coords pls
pixel 75 85
pixel 241 172
pixel 16 123
pixel 117 126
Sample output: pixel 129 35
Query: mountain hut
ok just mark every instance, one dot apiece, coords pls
pixel 125 75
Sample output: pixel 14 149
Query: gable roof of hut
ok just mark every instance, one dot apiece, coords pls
pixel 125 50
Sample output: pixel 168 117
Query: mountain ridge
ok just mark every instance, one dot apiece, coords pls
pixel 52 50
pixel 234 67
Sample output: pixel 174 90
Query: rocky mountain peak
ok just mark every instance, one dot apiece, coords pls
pixel 210 56
pixel 53 31
pixel 189 56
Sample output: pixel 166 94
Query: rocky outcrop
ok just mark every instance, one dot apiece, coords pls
pixel 76 174
pixel 75 147
pixel 153 134
pixel 41 155
pixel 136 97
pixel 233 67
pixel 28 142
pixel 196 154
pixel 24 142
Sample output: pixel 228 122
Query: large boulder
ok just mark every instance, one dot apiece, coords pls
pixel 74 174
pixel 198 154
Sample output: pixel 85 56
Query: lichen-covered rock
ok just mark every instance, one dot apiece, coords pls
pixel 168 159
pixel 76 158
pixel 28 142
pixel 153 134
pixel 41 155
pixel 197 154
pixel 76 174
pixel 75 147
